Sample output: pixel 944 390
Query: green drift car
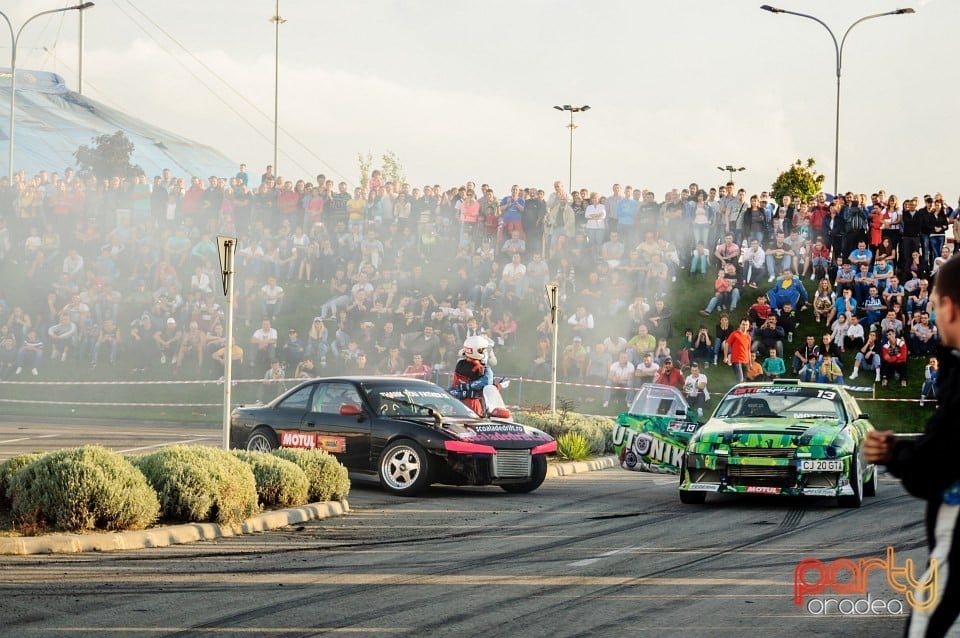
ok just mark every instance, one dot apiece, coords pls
pixel 784 437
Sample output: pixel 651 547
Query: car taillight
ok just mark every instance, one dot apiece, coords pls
pixel 546 448
pixel 465 447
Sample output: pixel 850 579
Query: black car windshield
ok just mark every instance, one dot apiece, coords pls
pixel 405 401
pixel 781 402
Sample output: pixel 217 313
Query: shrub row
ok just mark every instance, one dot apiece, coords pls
pixel 89 488
pixel 597 430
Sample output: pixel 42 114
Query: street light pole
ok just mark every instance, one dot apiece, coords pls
pixel 571 126
pixel 838 49
pixel 277 20
pixel 14 39
pixel 729 168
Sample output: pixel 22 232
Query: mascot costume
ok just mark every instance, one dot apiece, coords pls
pixel 472 373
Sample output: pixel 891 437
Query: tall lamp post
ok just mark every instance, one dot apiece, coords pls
pixel 838 48
pixel 730 168
pixel 14 40
pixel 571 126
pixel 277 20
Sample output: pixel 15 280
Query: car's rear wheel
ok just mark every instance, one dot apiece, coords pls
pixel 404 468
pixel 870 487
pixel 262 439
pixel 538 472
pixel 856 482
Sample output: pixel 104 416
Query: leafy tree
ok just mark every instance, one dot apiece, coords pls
pixel 109 157
pixel 393 169
pixel 366 163
pixel 800 181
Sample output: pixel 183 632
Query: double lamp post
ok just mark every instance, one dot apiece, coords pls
pixel 14 40
pixel 838 49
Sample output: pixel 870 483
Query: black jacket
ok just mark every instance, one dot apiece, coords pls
pixel 927 467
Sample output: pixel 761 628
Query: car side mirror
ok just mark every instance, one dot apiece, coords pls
pixel 864 416
pixel 500 413
pixel 681 413
pixel 349 409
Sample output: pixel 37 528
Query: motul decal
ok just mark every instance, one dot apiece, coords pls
pixel 298 439
pixel 762 489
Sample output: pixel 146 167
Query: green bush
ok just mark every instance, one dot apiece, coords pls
pixel 328 479
pixel 200 483
pixel 597 430
pixel 280 483
pixel 573 446
pixel 82 489
pixel 8 468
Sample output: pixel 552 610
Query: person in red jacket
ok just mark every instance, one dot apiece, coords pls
pixel 669 375
pixel 893 359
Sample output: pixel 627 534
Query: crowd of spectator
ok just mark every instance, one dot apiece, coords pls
pixel 125 273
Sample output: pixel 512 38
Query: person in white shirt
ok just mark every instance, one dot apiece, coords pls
pixel 265 340
pixel 513 276
pixel 695 388
pixel 754 259
pixel 272 296
pixel 620 378
pixel 646 371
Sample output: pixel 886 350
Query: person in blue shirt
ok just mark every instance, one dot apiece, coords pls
pixel 882 272
pixel 874 308
pixel 808 372
pixel 787 288
pixel 626 214
pixel 860 255
pixel 862 282
pixel 844 278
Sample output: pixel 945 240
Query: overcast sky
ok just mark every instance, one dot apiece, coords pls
pixel 463 90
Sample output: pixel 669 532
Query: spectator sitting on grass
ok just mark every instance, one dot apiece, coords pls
pixel 868 357
pixel 670 375
pixel 808 372
pixel 788 288
pixel 753 370
pixel 828 371
pixel 931 372
pixel 773 366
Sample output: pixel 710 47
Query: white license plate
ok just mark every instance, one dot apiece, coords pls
pixel 819 465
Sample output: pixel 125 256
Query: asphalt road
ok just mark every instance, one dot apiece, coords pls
pixel 603 553
pixel 22 434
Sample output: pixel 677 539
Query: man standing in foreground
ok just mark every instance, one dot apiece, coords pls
pixel 927 465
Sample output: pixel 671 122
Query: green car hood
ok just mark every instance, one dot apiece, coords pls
pixel 770 432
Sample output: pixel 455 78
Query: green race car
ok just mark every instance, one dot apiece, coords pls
pixel 783 437
pixel 653 434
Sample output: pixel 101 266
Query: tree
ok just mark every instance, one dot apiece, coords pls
pixel 110 157
pixel 393 169
pixel 366 163
pixel 800 181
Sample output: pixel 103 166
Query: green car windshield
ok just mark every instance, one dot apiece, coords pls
pixel 781 403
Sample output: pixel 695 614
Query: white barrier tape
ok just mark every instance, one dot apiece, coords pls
pixel 107 403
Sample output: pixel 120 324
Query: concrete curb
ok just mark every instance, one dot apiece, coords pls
pixel 193 532
pixel 566 469
pixel 171 535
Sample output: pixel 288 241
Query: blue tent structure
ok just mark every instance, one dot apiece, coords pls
pixel 52 122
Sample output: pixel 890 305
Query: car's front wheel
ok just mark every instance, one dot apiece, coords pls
pixel 538 472
pixel 856 482
pixel 404 468
pixel 262 439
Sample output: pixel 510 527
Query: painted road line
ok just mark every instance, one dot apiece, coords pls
pixel 150 447
pixel 591 561
pixel 269 631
